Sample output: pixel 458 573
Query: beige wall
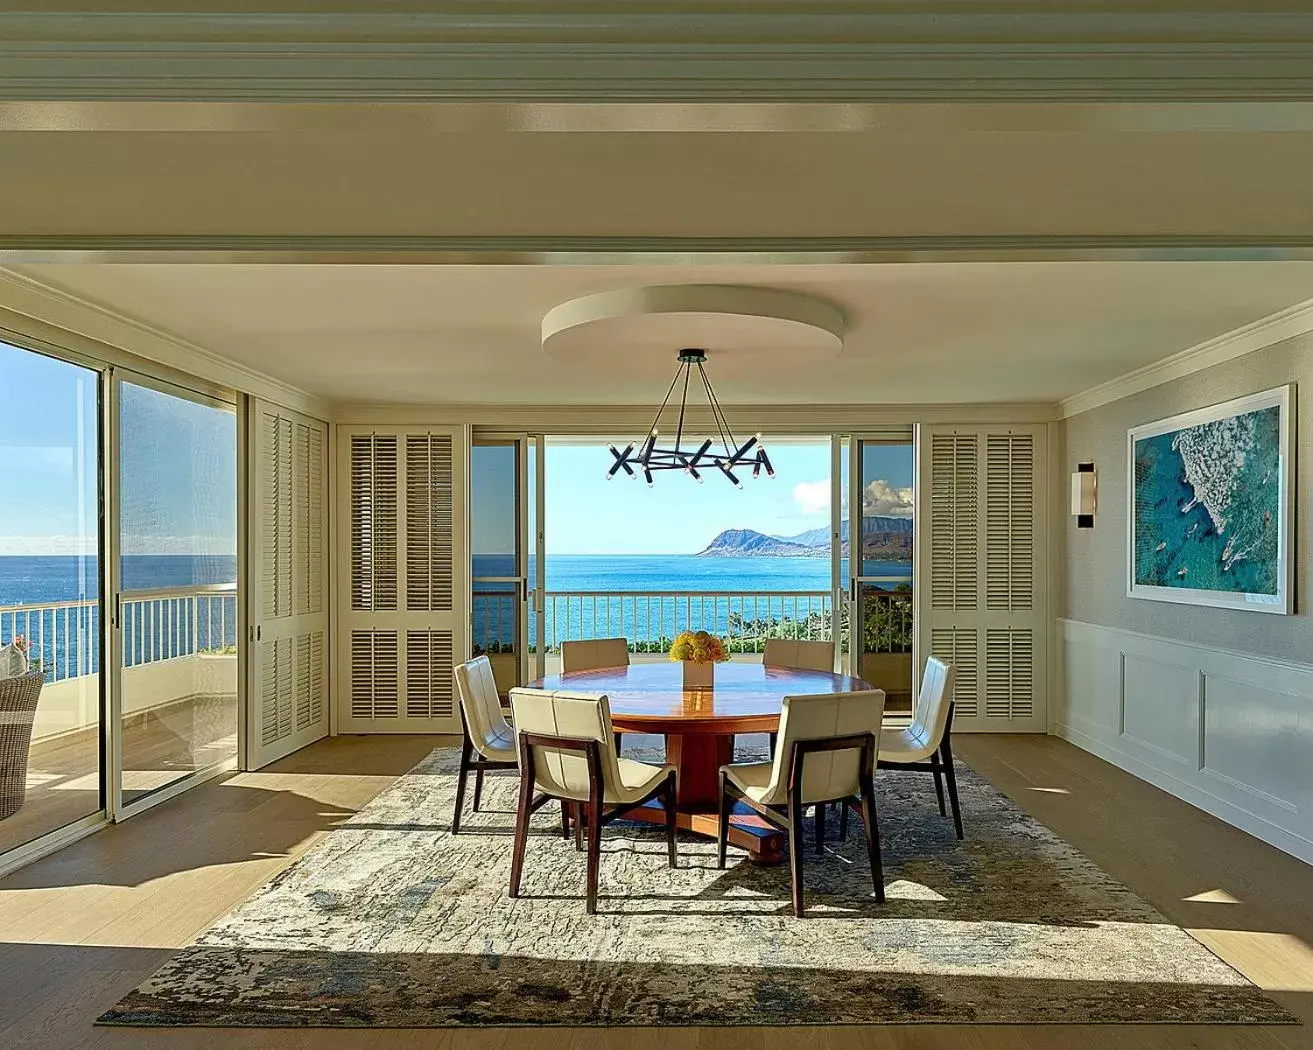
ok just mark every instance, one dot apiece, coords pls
pixel 1096 558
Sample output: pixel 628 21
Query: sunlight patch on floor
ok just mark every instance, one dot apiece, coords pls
pixel 1213 897
pixel 1277 962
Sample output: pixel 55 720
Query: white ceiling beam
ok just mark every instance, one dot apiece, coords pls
pixel 667 51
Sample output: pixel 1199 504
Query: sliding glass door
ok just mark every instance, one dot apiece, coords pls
pixel 176 601
pixel 51 705
pixel 878 560
pixel 505 545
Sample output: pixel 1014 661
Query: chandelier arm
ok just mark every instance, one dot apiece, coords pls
pixel 717 414
pixel 650 441
pixel 683 406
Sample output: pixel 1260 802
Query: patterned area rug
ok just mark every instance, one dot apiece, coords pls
pixel 393 922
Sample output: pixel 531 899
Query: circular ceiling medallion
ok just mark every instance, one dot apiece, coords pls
pixel 742 329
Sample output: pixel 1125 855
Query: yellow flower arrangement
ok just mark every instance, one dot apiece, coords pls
pixel 699 647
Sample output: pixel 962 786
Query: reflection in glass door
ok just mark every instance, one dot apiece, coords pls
pixel 51 750
pixel 503 542
pixel 880 550
pixel 177 587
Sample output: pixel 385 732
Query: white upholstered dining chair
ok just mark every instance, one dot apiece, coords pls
pixel 588 654
pixel 488 742
pixel 925 745
pixel 808 655
pixel 828 748
pixel 567 752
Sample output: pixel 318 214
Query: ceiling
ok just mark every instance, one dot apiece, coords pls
pixel 917 332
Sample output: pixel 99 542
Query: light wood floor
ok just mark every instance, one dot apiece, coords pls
pixel 160 745
pixel 81 928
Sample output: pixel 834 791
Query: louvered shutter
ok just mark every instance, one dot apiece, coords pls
pixel 405 566
pixel 981 492
pixel 289 674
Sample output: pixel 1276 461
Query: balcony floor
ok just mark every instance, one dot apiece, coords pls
pixel 159 746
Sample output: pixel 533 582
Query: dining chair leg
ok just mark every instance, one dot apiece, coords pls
pixel 521 832
pixel 478 787
pixel 939 782
pixel 722 822
pixel 949 772
pixel 668 801
pixel 565 820
pixel 795 856
pixel 843 819
pixel 820 827
pixel 872 838
pixel 465 749
pixel 594 850
pixel 578 826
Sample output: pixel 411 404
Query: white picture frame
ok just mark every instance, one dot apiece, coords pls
pixel 1282 601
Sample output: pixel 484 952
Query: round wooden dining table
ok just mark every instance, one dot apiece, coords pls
pixel 699 725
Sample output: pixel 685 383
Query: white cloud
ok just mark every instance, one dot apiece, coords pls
pixel 33 546
pixel 879 497
pixel 812 497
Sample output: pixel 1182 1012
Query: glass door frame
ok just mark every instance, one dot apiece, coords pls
pixel 530 602
pixel 112 659
pixel 849 589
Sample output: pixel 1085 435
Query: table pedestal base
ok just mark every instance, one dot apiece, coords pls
pixel 698 757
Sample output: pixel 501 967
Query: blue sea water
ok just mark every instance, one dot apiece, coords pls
pixel 37 580
pixel 1177 542
pixel 67 638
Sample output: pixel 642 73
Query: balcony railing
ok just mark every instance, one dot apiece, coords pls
pixel 160 624
pixel 652 619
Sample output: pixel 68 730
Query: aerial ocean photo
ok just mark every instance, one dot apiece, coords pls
pixel 1208 505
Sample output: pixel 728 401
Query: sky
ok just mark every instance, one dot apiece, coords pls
pixel 178 465
pixel 586 514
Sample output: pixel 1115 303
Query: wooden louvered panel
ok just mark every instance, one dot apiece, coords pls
pixel 275 690
pixel 304 671
pixel 275 471
pixel 957 646
pixel 375 672
pixel 316 677
pixel 314 534
pixel 954 522
pixel 430 682
pixel 429 523
pixel 1009 522
pixel 373 522
pixel 1009 673
pixel 300 485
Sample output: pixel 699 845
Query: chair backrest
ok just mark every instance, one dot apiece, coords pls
pixel 480 702
pixel 930 716
pixel 591 653
pixel 831 774
pixel 562 772
pixel 810 656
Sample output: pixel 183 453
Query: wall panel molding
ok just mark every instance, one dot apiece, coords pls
pixel 1229 732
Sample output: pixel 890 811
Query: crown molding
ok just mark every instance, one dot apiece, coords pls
pixel 621 251
pixel 777 420
pixel 59 313
pixel 1266 331
pixel 662 50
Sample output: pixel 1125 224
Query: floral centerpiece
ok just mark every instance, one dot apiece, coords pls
pixel 699 652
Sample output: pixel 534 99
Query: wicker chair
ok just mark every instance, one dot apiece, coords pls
pixel 18 699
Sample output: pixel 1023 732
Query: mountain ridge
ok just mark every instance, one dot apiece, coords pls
pixel 885 538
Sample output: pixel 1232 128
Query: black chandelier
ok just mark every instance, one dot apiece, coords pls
pixel 650 457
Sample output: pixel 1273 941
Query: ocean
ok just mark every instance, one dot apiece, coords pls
pixel 35 580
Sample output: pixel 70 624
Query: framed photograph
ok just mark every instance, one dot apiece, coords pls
pixel 1210 506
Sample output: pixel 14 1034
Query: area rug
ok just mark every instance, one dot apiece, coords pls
pixel 391 921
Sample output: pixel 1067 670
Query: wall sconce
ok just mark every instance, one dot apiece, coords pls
pixel 1084 495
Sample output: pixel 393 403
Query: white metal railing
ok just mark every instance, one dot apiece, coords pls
pixel 652 619
pixel 162 624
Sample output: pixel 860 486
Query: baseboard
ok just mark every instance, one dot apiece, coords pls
pixel 1251 823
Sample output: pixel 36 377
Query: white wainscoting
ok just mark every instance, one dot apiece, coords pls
pixel 1229 732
